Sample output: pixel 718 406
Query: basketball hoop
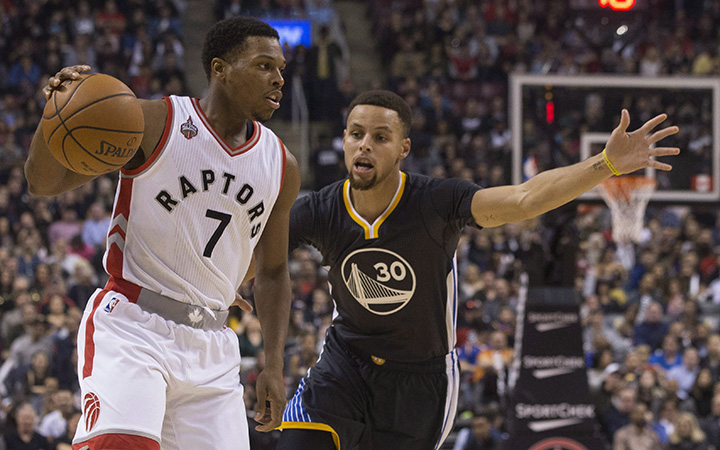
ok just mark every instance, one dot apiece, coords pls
pixel 627 198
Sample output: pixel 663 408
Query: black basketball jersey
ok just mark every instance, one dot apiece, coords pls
pixel 394 281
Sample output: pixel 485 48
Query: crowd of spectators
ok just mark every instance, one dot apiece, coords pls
pixel 316 66
pixel 651 333
pixel 51 249
pixel 262 9
pixel 451 61
pixel 139 42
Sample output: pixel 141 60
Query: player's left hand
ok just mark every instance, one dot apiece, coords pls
pixel 630 151
pixel 271 401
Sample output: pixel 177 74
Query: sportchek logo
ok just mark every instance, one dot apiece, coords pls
pixel 551 321
pixel 554 411
pixel 552 366
pixel 553 416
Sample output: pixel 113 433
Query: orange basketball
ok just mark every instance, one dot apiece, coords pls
pixel 93 125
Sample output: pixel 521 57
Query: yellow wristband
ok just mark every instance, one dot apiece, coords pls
pixel 609 164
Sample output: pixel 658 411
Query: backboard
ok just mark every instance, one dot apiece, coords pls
pixel 559 120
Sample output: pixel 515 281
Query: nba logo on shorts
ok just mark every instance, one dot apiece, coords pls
pixel 91 410
pixel 111 304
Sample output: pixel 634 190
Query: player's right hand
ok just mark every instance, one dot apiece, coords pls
pixel 66 73
pixel 270 389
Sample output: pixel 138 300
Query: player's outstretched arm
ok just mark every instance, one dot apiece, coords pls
pixel 272 300
pixel 625 151
pixel 46 176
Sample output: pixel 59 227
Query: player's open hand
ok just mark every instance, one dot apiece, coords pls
pixel 66 73
pixel 270 388
pixel 630 151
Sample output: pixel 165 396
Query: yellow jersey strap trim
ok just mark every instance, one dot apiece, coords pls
pixel 391 208
pixel 351 211
pixel 372 231
pixel 311 426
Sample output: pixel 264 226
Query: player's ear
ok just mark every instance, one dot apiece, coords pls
pixel 405 148
pixel 217 67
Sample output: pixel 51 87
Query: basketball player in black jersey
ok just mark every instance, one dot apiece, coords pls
pixel 387 378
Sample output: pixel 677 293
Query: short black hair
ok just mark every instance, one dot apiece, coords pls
pixel 389 100
pixel 229 34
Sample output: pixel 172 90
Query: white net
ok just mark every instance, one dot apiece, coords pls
pixel 627 198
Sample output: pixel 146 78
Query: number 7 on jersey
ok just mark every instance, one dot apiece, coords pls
pixel 224 221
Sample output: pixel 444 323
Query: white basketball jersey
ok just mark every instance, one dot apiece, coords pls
pixel 186 222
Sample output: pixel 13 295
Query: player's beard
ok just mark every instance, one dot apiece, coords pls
pixel 364 185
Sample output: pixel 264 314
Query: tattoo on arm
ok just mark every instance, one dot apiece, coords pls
pixel 490 217
pixel 599 165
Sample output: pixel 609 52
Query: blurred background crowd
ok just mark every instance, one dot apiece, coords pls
pixel 650 313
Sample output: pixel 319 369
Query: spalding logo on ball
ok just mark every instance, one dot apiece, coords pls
pixel 93 125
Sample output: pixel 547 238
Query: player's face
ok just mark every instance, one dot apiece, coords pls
pixel 374 145
pixel 253 78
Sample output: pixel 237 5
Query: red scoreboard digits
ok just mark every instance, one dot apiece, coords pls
pixel 617 5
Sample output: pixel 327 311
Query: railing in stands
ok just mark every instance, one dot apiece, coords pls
pixel 300 117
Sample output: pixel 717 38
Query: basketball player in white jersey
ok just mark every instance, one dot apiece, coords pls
pixel 209 188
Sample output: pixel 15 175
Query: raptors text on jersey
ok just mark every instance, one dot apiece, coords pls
pixel 186 222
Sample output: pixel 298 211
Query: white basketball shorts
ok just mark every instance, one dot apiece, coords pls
pixel 145 378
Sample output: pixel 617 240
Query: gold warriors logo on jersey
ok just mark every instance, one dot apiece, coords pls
pixel 188 129
pixel 380 280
